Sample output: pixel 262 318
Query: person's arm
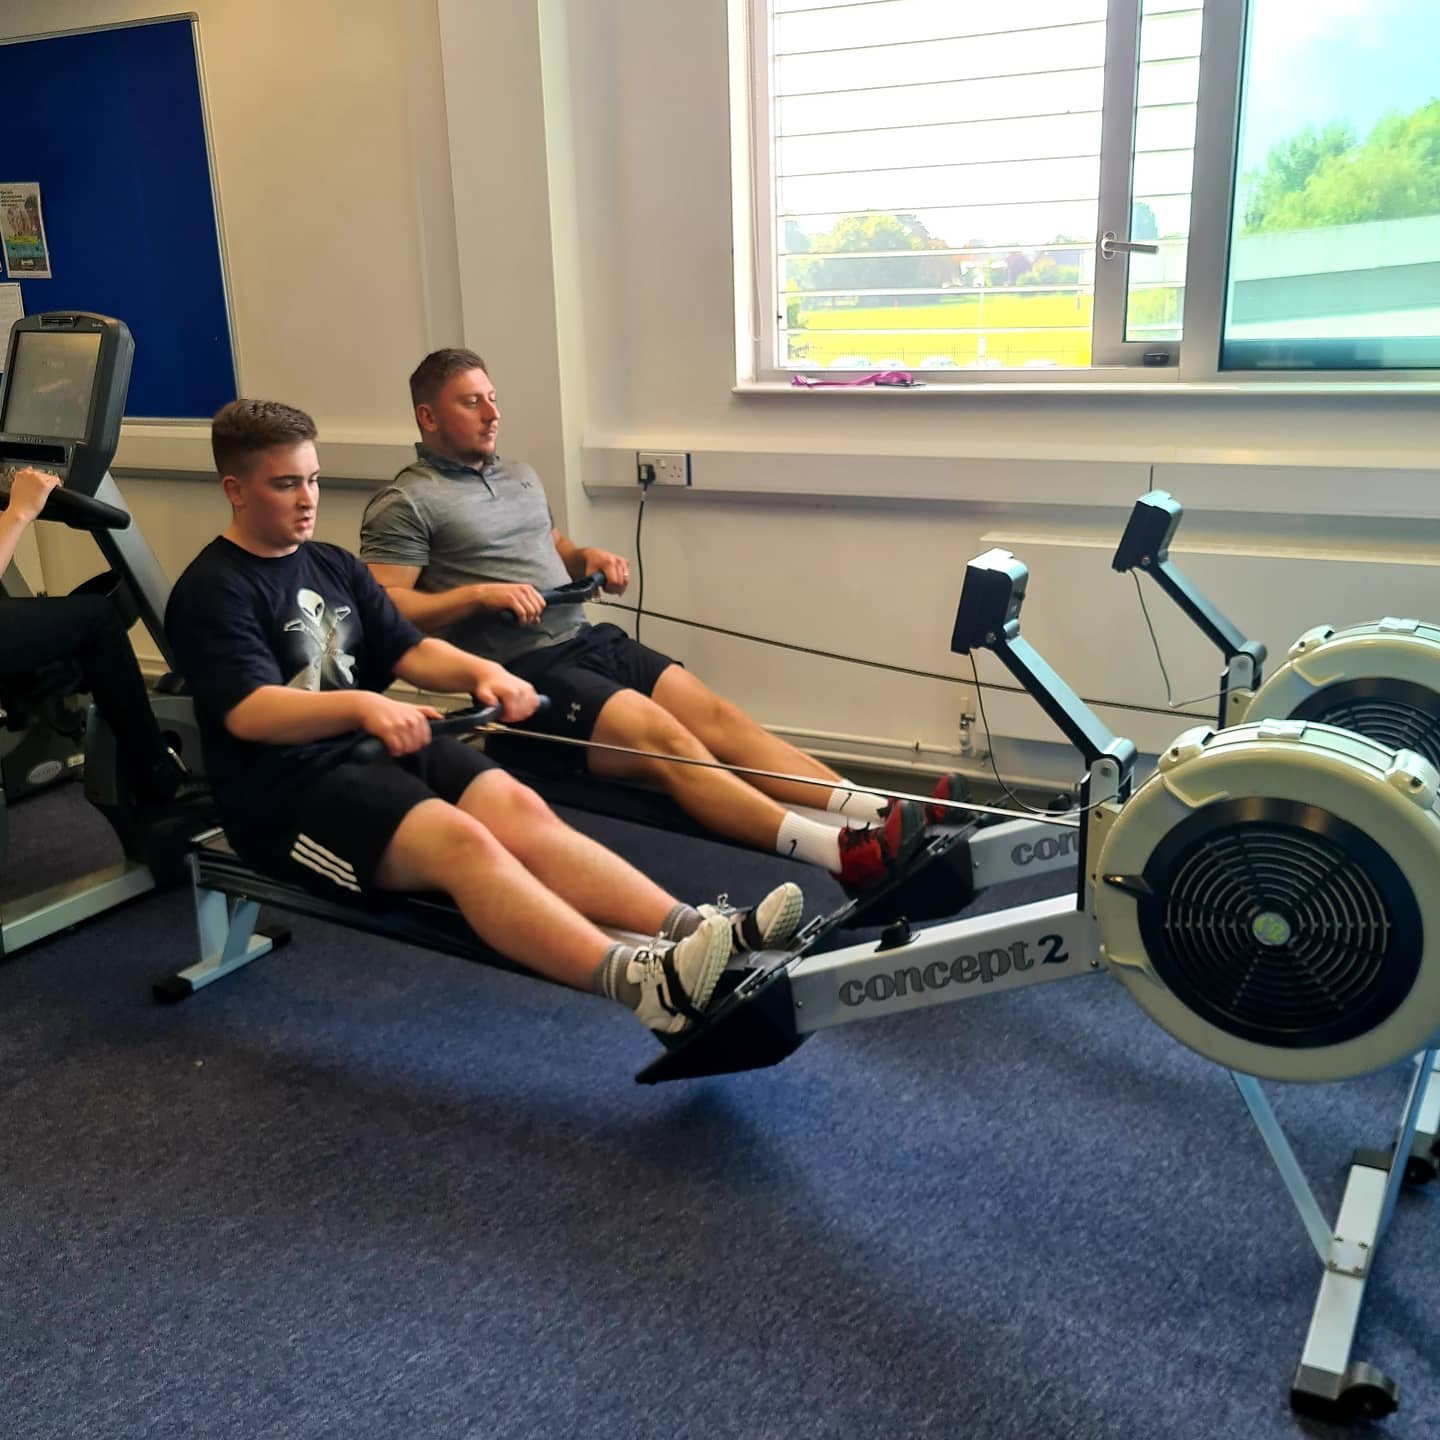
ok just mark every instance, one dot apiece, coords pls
pixel 436 665
pixel 582 560
pixel 29 491
pixel 432 612
pixel 280 715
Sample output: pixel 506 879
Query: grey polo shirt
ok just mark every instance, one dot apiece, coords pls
pixel 461 525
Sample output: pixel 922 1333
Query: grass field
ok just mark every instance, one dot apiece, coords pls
pixel 1016 328
pixel 1031 327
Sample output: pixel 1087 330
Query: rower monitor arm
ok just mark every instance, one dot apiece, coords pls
pixel 1145 545
pixel 989 619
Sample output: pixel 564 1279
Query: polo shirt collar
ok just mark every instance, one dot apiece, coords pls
pixel 447 466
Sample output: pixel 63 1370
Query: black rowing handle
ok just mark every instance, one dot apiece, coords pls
pixel 575 593
pixel 454 722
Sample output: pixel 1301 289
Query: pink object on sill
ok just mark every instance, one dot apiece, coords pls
pixel 879 377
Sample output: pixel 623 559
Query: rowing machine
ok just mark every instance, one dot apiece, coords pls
pixel 1266 897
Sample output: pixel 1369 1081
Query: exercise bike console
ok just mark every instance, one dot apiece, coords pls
pixel 66 376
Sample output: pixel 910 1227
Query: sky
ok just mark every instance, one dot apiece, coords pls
pixel 1318 60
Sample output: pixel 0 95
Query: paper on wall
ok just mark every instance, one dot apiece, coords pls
pixel 22 231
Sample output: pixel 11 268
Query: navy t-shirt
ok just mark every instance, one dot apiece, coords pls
pixel 311 620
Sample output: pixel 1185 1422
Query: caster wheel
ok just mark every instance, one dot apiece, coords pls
pixel 171 990
pixel 1361 1393
pixel 1368 1401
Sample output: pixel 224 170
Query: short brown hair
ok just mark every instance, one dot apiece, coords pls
pixel 245 428
pixel 436 368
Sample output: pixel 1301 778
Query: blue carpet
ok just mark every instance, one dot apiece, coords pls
pixel 365 1191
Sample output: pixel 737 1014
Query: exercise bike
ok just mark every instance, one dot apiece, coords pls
pixel 70 425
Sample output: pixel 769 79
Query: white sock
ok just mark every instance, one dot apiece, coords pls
pixel 809 841
pixel 858 808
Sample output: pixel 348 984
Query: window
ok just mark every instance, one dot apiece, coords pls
pixel 942 188
pixel 1335 232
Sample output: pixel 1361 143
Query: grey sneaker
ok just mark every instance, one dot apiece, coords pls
pixel 677 981
pixel 766 926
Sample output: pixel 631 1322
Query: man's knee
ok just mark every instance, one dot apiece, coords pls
pixel 435 842
pixel 644 725
pixel 495 789
pixel 723 714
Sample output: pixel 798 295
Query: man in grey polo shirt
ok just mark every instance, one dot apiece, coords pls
pixel 461 536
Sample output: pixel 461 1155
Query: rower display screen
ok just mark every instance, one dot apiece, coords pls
pixel 49 386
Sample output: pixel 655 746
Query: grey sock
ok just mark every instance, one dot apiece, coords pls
pixel 610 979
pixel 682 921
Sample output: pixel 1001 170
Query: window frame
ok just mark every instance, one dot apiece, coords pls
pixel 1114 359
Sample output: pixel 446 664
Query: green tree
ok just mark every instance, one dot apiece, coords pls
pixel 1328 179
pixel 865 234
pixel 1045 271
pixel 1288 169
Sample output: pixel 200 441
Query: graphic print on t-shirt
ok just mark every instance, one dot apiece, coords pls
pixel 322 635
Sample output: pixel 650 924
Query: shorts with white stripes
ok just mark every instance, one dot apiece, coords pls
pixel 331 834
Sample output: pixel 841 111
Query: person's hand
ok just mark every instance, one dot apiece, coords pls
pixel 615 568
pixel 494 685
pixel 29 490
pixel 523 601
pixel 401 729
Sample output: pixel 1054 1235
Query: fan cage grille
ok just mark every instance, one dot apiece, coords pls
pixel 1280 923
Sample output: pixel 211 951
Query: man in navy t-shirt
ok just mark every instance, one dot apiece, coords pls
pixel 288 644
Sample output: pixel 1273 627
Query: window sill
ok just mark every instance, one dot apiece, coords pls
pixel 1227 389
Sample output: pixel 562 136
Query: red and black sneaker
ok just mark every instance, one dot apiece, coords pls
pixel 948 787
pixel 873 854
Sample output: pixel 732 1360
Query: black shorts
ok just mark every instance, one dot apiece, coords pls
pixel 579 676
pixel 333 831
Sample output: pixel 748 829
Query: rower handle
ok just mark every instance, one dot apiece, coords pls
pixel 455 722
pixel 575 593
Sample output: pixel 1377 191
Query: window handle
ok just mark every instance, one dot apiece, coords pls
pixel 1112 247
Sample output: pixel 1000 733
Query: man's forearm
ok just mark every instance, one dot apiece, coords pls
pixel 11 529
pixel 278 715
pixel 443 669
pixel 572 556
pixel 434 612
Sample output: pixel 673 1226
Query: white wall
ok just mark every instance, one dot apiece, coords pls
pixel 844 520
pixel 549 181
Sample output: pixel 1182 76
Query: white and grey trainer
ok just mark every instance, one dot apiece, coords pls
pixel 677 981
pixel 770 925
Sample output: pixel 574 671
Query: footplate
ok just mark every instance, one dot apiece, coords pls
pixel 750 1029
pixel 938 881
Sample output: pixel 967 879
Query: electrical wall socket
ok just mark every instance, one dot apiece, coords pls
pixel 668 467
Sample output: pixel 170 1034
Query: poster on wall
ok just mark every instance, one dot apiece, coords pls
pixel 22 231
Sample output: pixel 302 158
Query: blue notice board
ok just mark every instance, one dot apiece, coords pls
pixel 110 124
